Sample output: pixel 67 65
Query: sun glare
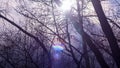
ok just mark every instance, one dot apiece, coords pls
pixel 67 4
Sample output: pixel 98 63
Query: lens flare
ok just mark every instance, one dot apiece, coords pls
pixel 58 47
pixel 57 56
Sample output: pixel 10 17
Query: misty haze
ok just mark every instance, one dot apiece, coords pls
pixel 59 33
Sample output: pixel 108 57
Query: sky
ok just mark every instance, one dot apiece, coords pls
pixel 10 5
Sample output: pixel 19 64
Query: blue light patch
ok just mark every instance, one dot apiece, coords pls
pixel 58 47
pixel 56 56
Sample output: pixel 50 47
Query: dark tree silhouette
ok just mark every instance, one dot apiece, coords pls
pixel 108 31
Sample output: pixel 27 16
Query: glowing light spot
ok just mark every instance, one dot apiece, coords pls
pixel 67 4
pixel 56 56
pixel 58 47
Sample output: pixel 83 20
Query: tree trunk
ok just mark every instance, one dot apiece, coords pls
pixel 108 31
pixel 92 46
pixel 79 27
pixel 87 62
pixel 97 53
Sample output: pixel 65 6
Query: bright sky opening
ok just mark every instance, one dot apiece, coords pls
pixel 67 4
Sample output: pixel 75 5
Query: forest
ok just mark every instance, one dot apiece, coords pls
pixel 59 33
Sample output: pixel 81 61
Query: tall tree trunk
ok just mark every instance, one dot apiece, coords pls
pixel 97 53
pixel 92 46
pixel 86 38
pixel 80 17
pixel 79 29
pixel 108 31
pixel 87 62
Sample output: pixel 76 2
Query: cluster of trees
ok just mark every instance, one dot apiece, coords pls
pixel 28 29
